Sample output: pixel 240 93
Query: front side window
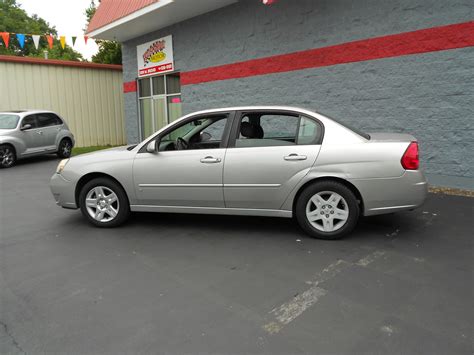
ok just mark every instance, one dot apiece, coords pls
pixel 201 133
pixel 8 121
pixel 31 120
pixel 277 129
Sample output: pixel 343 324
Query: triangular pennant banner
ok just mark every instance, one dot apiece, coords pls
pixel 73 40
pixel 62 39
pixel 85 39
pixel 36 40
pixel 6 38
pixel 49 38
pixel 21 39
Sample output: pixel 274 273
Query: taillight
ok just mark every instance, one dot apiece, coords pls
pixel 411 159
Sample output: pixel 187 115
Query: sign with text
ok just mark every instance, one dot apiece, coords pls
pixel 155 57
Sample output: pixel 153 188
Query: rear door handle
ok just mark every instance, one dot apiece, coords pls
pixel 294 157
pixel 40 132
pixel 210 160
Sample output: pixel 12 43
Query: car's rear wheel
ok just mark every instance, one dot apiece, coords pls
pixel 104 203
pixel 65 148
pixel 327 210
pixel 7 156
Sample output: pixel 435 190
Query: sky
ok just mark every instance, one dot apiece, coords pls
pixel 67 16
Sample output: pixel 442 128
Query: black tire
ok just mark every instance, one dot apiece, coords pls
pixel 7 156
pixel 65 148
pixel 351 205
pixel 122 205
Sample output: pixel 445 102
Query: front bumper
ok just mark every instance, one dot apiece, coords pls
pixel 394 194
pixel 63 191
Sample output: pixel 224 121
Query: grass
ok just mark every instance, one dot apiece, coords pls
pixel 84 150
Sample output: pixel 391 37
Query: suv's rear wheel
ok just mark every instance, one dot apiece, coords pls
pixel 65 148
pixel 104 203
pixel 327 210
pixel 7 156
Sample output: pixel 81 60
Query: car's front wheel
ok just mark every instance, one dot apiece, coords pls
pixel 104 203
pixel 327 210
pixel 65 148
pixel 7 156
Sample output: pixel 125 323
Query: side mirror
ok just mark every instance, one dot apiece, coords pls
pixel 25 127
pixel 151 147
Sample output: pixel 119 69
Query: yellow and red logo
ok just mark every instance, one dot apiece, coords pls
pixel 155 53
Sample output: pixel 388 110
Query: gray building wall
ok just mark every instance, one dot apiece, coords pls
pixel 429 95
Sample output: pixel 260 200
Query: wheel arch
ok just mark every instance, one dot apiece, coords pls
pixel 342 181
pixel 91 176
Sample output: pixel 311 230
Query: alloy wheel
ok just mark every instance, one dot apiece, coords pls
pixel 7 156
pixel 66 148
pixel 102 204
pixel 327 211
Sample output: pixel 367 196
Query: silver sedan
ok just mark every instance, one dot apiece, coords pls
pixel 258 161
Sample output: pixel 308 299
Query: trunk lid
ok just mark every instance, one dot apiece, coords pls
pixel 391 137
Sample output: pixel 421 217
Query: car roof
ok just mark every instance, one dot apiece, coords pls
pixel 24 112
pixel 246 108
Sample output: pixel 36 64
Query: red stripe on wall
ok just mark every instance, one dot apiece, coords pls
pixel 130 86
pixel 422 41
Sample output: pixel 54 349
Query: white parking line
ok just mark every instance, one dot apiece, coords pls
pixel 289 311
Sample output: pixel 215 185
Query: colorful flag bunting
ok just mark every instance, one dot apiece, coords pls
pixel 36 39
pixel 73 40
pixel 49 38
pixel 62 39
pixel 21 39
pixel 6 38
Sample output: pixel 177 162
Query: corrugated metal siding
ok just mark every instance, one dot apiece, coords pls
pixel 90 100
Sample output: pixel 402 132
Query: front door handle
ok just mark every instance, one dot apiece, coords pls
pixel 210 160
pixel 39 132
pixel 294 157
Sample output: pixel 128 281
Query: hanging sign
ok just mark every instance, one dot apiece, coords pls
pixel 155 57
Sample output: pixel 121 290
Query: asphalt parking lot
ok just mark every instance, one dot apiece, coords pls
pixel 400 284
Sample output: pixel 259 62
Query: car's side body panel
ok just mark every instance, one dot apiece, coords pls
pixel 261 178
pixel 180 178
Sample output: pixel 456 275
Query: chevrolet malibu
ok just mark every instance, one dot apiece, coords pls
pixel 255 161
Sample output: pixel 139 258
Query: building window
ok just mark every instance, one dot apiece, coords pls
pixel 159 102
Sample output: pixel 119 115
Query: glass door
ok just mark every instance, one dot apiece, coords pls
pixel 159 102
pixel 159 112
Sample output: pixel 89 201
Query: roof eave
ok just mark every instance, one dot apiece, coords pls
pixel 154 17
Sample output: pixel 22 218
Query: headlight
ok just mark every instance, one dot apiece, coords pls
pixel 61 166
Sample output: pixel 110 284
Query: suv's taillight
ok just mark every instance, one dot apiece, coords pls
pixel 411 160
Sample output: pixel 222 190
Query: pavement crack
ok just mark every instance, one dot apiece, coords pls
pixel 10 335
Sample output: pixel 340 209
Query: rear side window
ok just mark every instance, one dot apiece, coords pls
pixel 277 129
pixel 48 119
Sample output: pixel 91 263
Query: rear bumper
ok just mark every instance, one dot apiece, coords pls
pixel 394 194
pixel 63 191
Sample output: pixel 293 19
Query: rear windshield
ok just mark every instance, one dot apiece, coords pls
pixel 8 121
pixel 353 129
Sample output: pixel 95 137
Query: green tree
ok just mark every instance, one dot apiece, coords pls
pixel 110 52
pixel 14 19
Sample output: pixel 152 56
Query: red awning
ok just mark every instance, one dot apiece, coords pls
pixel 113 10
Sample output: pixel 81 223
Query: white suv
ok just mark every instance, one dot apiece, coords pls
pixel 32 132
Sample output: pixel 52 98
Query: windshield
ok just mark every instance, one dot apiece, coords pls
pixel 8 121
pixel 355 130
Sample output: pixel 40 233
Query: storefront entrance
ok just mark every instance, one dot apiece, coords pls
pixel 159 102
